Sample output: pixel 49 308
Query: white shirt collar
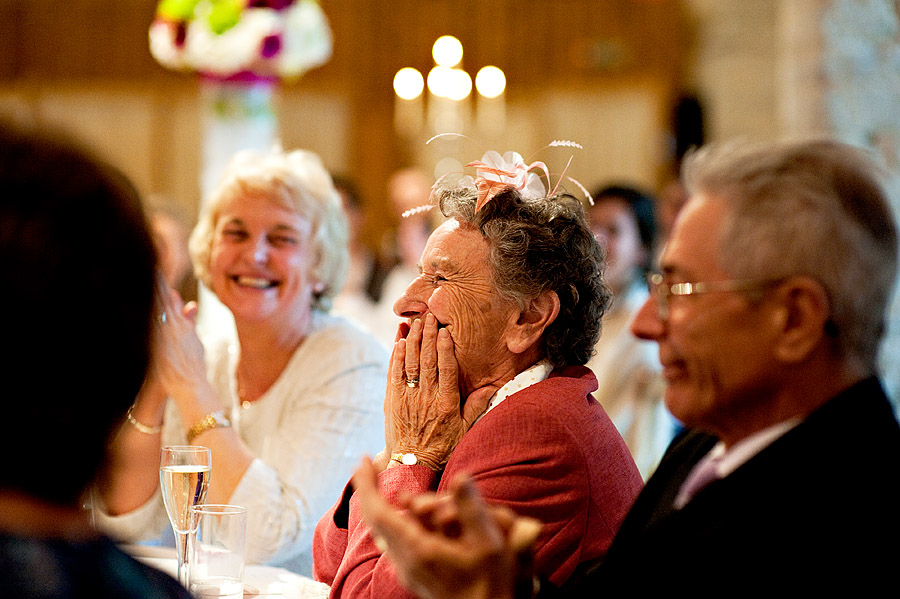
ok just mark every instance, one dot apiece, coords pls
pixel 731 458
pixel 526 378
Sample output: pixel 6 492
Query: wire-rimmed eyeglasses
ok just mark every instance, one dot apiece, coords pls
pixel 663 291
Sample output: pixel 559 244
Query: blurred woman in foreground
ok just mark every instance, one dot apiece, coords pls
pixel 72 235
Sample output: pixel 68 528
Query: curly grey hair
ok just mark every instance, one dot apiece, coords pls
pixel 539 245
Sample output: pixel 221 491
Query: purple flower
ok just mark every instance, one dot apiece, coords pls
pixel 180 34
pixel 271 45
pixel 273 4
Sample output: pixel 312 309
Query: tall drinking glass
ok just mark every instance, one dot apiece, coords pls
pixel 183 478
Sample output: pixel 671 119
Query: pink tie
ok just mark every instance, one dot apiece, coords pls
pixel 704 472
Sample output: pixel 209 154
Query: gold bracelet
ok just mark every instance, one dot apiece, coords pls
pixel 148 430
pixel 212 420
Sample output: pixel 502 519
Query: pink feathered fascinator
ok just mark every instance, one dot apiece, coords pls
pixel 494 173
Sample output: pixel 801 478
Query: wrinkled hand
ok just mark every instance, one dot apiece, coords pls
pixel 427 418
pixel 452 547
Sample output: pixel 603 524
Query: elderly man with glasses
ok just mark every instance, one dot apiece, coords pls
pixel 768 310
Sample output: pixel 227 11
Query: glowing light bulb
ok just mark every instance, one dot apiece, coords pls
pixel 460 85
pixel 408 83
pixel 490 82
pixel 447 51
pixel 439 81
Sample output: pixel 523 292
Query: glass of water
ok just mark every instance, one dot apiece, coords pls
pixel 217 551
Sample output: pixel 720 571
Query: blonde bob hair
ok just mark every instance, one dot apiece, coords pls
pixel 295 180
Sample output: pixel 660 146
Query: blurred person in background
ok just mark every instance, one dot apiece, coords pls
pixel 669 202
pixel 171 229
pixel 630 386
pixel 408 188
pixel 357 300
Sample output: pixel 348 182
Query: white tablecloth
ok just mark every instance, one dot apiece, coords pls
pixel 262 582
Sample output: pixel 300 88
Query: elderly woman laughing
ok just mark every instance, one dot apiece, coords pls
pixel 487 377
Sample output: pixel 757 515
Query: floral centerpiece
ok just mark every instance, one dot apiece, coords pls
pixel 267 39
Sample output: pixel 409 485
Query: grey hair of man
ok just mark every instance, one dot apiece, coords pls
pixel 539 245
pixel 297 181
pixel 808 207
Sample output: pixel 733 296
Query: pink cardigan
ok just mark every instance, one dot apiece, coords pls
pixel 549 452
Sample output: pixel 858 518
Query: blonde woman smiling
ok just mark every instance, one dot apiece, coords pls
pixel 288 409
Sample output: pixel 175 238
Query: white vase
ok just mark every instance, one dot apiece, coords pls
pixel 237 115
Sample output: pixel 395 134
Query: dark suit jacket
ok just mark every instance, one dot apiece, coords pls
pixel 818 510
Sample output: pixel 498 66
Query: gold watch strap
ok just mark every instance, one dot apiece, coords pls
pixel 212 420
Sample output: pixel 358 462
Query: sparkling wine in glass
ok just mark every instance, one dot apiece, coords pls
pixel 183 478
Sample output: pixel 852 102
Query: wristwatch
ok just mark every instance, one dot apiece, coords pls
pixel 212 420
pixel 407 459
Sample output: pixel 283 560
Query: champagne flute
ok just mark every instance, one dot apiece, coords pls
pixel 183 478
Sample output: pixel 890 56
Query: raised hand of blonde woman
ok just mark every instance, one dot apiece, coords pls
pixel 181 369
pixel 423 410
pixel 151 400
pixel 179 359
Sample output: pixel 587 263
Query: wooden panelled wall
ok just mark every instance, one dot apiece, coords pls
pixel 546 47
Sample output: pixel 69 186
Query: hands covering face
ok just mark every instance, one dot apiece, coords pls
pixel 453 547
pixel 424 413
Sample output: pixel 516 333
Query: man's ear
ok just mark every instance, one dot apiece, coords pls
pixel 529 323
pixel 804 310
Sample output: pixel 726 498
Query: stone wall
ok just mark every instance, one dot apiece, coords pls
pixel 861 58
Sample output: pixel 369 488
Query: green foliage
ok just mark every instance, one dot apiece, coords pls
pixel 177 10
pixel 224 15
